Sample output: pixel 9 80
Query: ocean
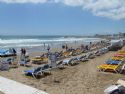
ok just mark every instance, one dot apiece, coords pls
pixel 18 42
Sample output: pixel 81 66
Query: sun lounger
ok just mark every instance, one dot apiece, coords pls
pixel 39 60
pixel 74 61
pixel 113 62
pixel 25 63
pixel 122 51
pixel 122 69
pixel 70 61
pixel 106 67
pixel 66 61
pixel 90 55
pixel 97 53
pixel 119 55
pixel 61 65
pixel 67 54
pixel 35 72
pixel 117 58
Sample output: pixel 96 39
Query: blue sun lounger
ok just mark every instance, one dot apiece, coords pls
pixel 35 72
pixel 113 62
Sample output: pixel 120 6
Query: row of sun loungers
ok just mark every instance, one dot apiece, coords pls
pixel 45 67
pixel 115 64
pixel 41 70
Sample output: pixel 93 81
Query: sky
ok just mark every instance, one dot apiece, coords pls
pixel 61 17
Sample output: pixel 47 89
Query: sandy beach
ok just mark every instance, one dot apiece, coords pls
pixel 62 46
pixel 80 79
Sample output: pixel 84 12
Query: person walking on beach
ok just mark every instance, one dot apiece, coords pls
pixel 21 56
pixel 48 48
pixel 66 47
pixel 23 53
pixel 82 47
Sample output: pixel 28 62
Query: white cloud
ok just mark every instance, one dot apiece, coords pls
pixel 23 1
pixel 114 9
pixel 71 2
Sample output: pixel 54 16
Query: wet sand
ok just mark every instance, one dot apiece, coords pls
pixel 80 79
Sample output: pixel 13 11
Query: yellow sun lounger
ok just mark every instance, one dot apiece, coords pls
pixel 122 51
pixel 117 58
pixel 66 54
pixel 45 59
pixel 106 67
pixel 37 59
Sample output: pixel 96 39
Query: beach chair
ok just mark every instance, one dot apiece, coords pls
pixel 12 62
pixel 118 58
pixel 61 65
pixel 83 58
pixel 67 61
pixel 25 63
pixel 67 54
pixel 39 60
pixel 122 51
pixel 90 55
pixel 39 71
pixel 78 51
pixel 122 69
pixel 97 53
pixel 74 61
pixel 113 62
pixel 107 67
pixel 119 55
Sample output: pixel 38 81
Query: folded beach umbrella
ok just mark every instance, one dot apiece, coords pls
pixel 113 62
